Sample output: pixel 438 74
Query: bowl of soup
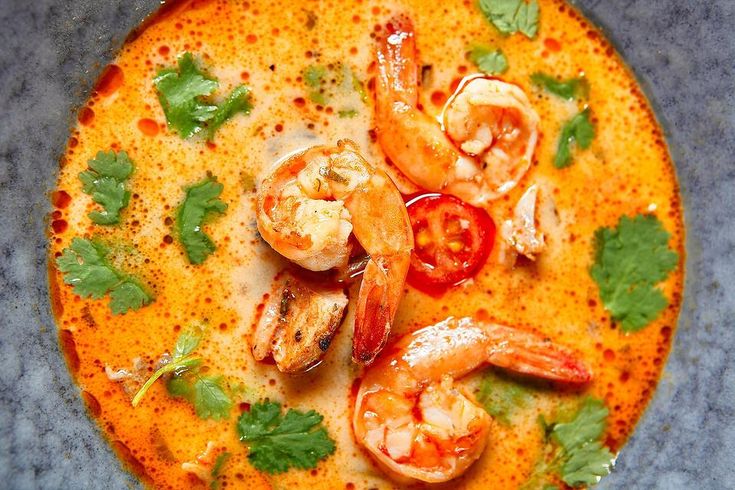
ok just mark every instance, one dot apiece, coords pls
pixel 375 245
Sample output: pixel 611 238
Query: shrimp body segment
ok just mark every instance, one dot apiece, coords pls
pixel 416 423
pixel 308 207
pixel 486 139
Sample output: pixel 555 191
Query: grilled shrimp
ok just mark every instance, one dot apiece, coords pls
pixel 416 423
pixel 487 135
pixel 298 324
pixel 308 207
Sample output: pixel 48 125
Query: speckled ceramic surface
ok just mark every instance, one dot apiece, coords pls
pixel 683 52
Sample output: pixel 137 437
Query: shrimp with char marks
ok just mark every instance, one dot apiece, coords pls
pixel 485 141
pixel 308 207
pixel 416 423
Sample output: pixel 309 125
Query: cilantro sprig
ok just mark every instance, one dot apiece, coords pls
pixel 570 89
pixel 206 393
pixel 104 180
pixel 630 260
pixel 578 130
pixel 202 199
pixel 85 266
pixel 510 16
pixel 574 450
pixel 183 93
pixel 278 442
pixel 489 60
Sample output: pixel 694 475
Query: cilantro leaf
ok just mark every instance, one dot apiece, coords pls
pixel 629 260
pixel 202 199
pixel 585 458
pixel 314 78
pixel 237 101
pixel 570 89
pixel 574 450
pixel 128 295
pixel 210 399
pixel 85 266
pixel 219 463
pixel 179 92
pixel 587 425
pixel 501 396
pixel 182 93
pixel 278 442
pixel 347 113
pixel 577 130
pixel 105 182
pixel 491 61
pixel 510 16
pixel 587 464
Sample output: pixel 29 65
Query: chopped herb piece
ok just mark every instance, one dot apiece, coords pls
pixel 577 130
pixel 574 450
pixel 491 61
pixel 510 16
pixel 105 182
pixel 85 266
pixel 279 442
pixel 181 360
pixel 202 199
pixel 314 75
pixel 237 101
pixel 219 463
pixel 210 399
pixel 573 88
pixel 501 396
pixel 347 113
pixel 182 95
pixel 630 260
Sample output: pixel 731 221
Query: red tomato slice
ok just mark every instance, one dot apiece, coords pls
pixel 452 241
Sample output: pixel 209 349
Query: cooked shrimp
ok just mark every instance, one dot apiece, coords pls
pixel 486 139
pixel 418 425
pixel 520 232
pixel 298 324
pixel 307 208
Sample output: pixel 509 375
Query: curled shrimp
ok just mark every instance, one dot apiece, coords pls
pixel 308 207
pixel 486 139
pixel 416 423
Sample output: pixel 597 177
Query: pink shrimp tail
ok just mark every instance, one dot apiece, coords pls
pixel 529 353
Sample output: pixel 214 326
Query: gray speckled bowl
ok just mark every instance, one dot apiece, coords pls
pixel 683 52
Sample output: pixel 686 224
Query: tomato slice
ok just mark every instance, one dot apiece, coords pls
pixel 452 241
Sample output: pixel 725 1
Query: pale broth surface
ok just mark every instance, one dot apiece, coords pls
pixel 267 45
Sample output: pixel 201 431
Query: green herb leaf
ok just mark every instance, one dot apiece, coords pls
pixel 585 458
pixel 629 260
pixel 314 75
pixel 179 92
pixel 183 93
pixel 573 88
pixel 238 101
pixel 181 360
pixel 210 399
pixel 587 425
pixel 278 442
pixel 105 182
pixel 219 463
pixel 85 266
pixel 501 396
pixel 577 130
pixel 491 61
pixel 587 464
pixel 202 199
pixel 510 16
pixel 347 113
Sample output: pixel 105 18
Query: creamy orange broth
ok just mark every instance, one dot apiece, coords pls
pixel 267 45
